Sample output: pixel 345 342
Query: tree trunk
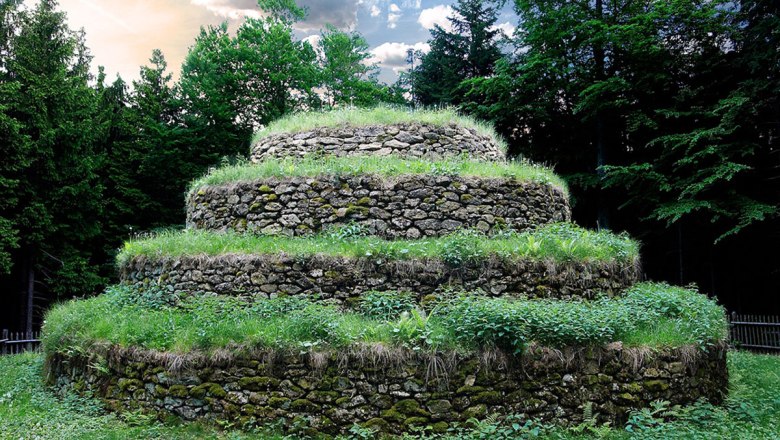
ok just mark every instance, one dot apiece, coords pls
pixel 601 147
pixel 30 292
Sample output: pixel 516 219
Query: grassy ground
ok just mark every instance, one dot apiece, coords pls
pixel 649 314
pixel 28 410
pixel 384 166
pixel 381 115
pixel 556 243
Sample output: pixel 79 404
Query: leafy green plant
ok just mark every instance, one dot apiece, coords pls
pixel 462 247
pixel 385 305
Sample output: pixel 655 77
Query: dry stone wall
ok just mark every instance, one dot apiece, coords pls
pixel 327 393
pixel 342 280
pixel 406 140
pixel 406 206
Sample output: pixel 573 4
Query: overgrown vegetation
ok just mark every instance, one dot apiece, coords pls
pixel 384 166
pixel 379 115
pixel 751 412
pixel 649 314
pixel 558 242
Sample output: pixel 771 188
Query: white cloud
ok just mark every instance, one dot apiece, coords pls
pixel 416 4
pixel 437 15
pixel 505 28
pixel 393 16
pixel 393 55
pixel 375 11
pixel 232 9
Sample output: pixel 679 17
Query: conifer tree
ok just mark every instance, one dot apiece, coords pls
pixel 58 191
pixel 469 50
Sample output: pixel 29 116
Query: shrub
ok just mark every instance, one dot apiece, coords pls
pixel 385 305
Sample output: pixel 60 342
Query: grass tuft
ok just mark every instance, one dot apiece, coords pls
pixel 558 242
pixel 383 166
pixel 380 115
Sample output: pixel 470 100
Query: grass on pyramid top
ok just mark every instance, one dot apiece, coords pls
pixel 558 242
pixel 380 115
pixel 313 166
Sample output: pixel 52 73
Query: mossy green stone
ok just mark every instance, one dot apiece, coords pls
pixel 178 391
pixel 265 189
pixel 489 397
pixel 657 385
pixel 393 415
pixel 377 424
pixel 416 422
pixel 475 412
pixel 303 405
pixel 469 390
pixel 410 407
pixel 129 384
pixel 279 402
pixel 258 383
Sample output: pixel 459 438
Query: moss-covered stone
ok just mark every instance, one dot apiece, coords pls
pixel 377 424
pixel 207 388
pixel 279 402
pixel 126 384
pixel 303 405
pixel 488 397
pixel 258 383
pixel 475 412
pixel 179 391
pixel 656 385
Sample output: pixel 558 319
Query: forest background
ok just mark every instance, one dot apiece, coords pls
pixel 663 117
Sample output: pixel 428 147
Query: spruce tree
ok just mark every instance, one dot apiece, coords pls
pixel 470 50
pixel 58 201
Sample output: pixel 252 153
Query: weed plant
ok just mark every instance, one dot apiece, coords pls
pixel 560 242
pixel 314 166
pixel 655 315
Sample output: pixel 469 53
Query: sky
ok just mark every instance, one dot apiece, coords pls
pixel 122 33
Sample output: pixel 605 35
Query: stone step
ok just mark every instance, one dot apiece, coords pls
pixel 402 206
pixel 405 140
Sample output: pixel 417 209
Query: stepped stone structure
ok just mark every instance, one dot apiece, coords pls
pixel 332 391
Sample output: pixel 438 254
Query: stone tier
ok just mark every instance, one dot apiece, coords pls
pixel 406 140
pixel 405 206
pixel 393 391
pixel 341 280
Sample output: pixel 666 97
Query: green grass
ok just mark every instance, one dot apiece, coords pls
pixel 29 410
pixel 384 166
pixel 655 315
pixel 557 242
pixel 382 115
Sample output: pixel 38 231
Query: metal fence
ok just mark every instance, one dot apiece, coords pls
pixel 18 342
pixel 755 332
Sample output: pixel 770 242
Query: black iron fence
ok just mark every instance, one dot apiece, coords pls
pixel 755 332
pixel 18 342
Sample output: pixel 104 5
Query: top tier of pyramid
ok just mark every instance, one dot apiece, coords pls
pixel 404 179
